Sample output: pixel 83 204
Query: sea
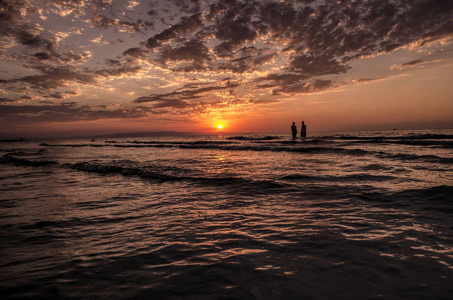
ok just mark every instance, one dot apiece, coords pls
pixel 337 215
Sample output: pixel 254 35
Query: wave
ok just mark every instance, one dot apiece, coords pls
pixel 262 143
pixel 347 178
pixel 115 169
pixel 327 150
pixel 332 150
pixel 416 142
pixel 179 143
pixel 413 157
pixel 275 148
pixel 249 138
pixel 9 159
pixel 306 142
pixel 437 198
pixel 224 146
pixel 73 145
pixel 241 185
pixel 403 137
pixel 13 141
pixel 376 167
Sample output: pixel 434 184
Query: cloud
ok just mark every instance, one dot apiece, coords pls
pixel 134 52
pixel 186 25
pixel 249 60
pixel 314 86
pixel 42 56
pixel 193 50
pixel 233 34
pixel 51 78
pixel 279 18
pixel 311 65
pixel 14 24
pixel 6 100
pixel 11 16
pixel 180 98
pixel 64 112
pixel 410 64
pixel 321 39
pixel 103 16
pixel 33 40
pixel 278 47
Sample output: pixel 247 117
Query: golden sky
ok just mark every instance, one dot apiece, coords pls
pixel 105 66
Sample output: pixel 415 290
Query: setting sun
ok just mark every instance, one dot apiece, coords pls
pixel 219 126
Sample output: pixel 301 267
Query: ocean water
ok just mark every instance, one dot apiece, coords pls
pixel 342 215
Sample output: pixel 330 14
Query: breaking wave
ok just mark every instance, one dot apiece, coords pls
pixel 347 178
pixel 403 137
pixel 252 138
pixel 10 159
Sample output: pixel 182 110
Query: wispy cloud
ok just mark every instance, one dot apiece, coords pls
pixel 410 64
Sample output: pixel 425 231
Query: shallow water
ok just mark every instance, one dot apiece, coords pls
pixel 358 215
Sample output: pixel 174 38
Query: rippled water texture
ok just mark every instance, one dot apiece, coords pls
pixel 361 215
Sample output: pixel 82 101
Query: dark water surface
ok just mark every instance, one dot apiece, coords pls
pixel 358 215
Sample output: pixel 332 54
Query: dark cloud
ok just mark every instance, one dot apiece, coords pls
pixel 322 38
pixel 412 63
pixel 134 52
pixel 181 98
pixel 249 59
pixel 317 65
pixel 234 29
pixel 52 77
pixel 113 62
pixel 56 95
pixel 13 23
pixel 42 56
pixel 6 100
pixel 364 80
pixel 187 24
pixel 152 42
pixel 64 112
pixel 46 102
pixel 103 16
pixel 193 50
pixel 279 18
pixel 11 16
pixel 33 41
pixel 173 103
pixel 314 86
pixel 409 64
pixel 188 6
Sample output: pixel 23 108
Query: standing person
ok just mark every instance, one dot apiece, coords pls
pixel 294 130
pixel 303 130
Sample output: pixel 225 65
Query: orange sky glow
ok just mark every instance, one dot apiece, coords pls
pixel 112 66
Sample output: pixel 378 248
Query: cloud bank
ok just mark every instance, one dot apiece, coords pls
pixel 197 56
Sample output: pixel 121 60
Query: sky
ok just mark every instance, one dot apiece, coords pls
pixel 89 67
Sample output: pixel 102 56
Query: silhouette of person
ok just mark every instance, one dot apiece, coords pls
pixel 294 130
pixel 303 130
